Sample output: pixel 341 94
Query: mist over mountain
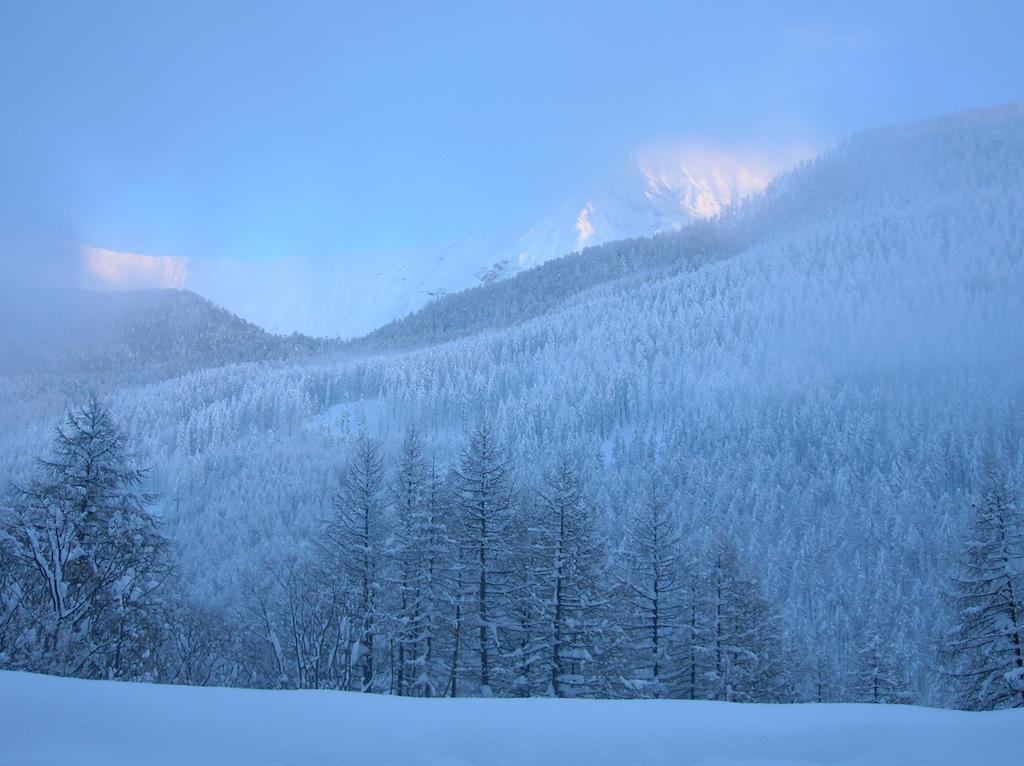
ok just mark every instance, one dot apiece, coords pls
pixel 132 335
pixel 655 192
pixel 821 376
pixel 565 384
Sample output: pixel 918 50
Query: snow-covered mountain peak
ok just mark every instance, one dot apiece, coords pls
pixel 702 182
pixel 658 190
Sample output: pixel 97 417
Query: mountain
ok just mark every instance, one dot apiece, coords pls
pixel 656 192
pixel 132 335
pixel 821 376
pixel 534 292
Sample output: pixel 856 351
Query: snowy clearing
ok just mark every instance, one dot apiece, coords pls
pixel 50 720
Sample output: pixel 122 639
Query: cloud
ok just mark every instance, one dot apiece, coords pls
pixel 705 177
pixel 112 270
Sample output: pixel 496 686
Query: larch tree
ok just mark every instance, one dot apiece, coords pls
pixel 408 497
pixel 89 558
pixel 355 541
pixel 743 635
pixel 985 650
pixel 692 665
pixel 482 484
pixel 879 676
pixel 652 577
pixel 567 573
pixel 423 549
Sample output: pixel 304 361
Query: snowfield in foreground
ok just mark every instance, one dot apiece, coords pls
pixel 49 720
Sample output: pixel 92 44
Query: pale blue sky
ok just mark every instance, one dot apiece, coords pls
pixel 257 130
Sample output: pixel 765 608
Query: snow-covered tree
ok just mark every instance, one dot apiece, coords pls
pixel 744 641
pixel 568 576
pixel 423 549
pixel 201 647
pixel 408 497
pixel 522 634
pixel 482 484
pixel 986 648
pixel 692 666
pixel 88 557
pixel 355 542
pixel 652 576
pixel 880 677
pixel 299 627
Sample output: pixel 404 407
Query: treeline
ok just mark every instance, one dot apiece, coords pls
pixel 498 304
pixel 444 578
pixel 135 335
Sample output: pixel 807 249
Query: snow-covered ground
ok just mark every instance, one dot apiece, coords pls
pixel 49 720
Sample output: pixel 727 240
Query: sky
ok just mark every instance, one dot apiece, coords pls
pixel 328 129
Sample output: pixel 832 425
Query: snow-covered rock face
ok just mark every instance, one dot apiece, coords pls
pixel 657 191
pixel 700 183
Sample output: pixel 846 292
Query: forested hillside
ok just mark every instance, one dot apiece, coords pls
pixel 134 335
pixel 765 438
pixel 537 291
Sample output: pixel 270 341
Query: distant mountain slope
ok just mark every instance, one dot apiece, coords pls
pixel 658 191
pixel 140 334
pixel 531 293
pixel 348 296
pixel 898 171
pixel 822 377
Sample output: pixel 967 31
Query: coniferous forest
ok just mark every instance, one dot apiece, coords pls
pixel 442 576
pixel 479 384
pixel 772 457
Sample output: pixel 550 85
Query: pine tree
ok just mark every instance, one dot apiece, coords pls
pixel 409 494
pixel 820 681
pixel 526 602
pixel 986 648
pixel 879 679
pixel 89 556
pixel 653 579
pixel 354 541
pixel 692 665
pixel 483 494
pixel 744 646
pixel 424 550
pixel 566 579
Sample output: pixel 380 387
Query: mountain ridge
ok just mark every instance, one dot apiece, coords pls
pixel 830 376
pixel 342 298
pixel 140 334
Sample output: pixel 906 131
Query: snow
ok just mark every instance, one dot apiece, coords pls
pixel 346 296
pixel 50 720
pixel 661 189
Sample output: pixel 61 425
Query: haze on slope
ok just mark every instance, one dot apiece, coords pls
pixel 903 172
pixel 657 191
pixel 129 336
pixel 837 385
pixel 824 396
